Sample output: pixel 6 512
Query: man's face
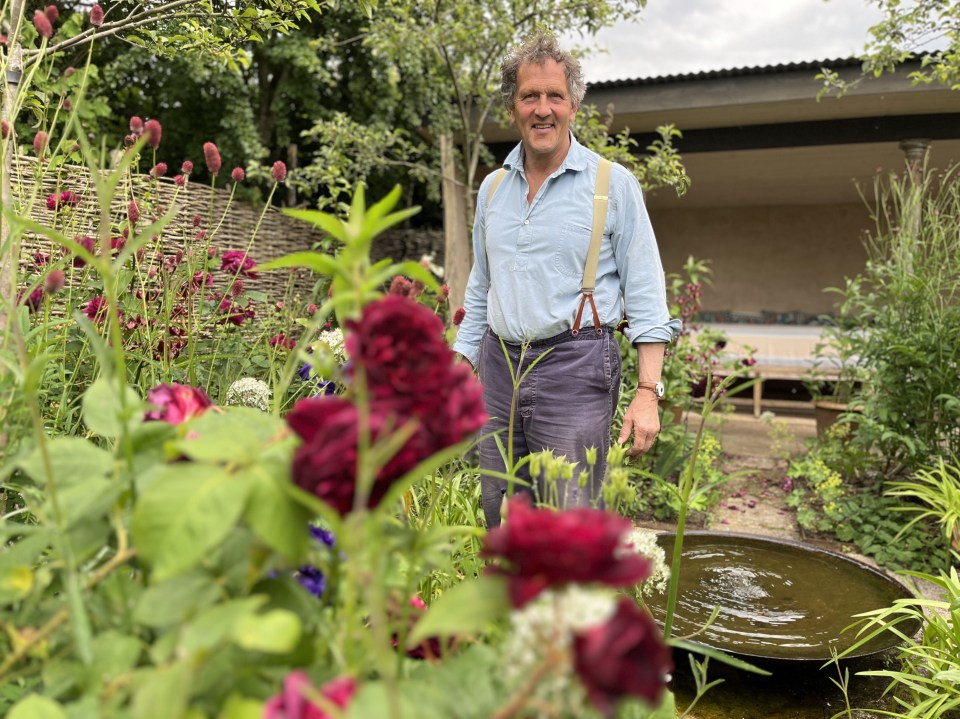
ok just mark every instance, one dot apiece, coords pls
pixel 543 110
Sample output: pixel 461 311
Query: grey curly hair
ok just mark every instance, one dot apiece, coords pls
pixel 538 48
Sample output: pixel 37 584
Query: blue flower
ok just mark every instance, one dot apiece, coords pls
pixel 322 535
pixel 312 579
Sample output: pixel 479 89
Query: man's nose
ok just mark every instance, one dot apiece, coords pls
pixel 543 105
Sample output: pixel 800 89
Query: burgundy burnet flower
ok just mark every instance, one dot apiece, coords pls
pixel 541 549
pixel 176 403
pixel 40 259
pixel 626 656
pixel 136 125
pixel 187 167
pixel 96 15
pixel 211 155
pixel 197 220
pixel 52 12
pixel 41 138
pixel 117 244
pixel 179 180
pixel 153 131
pixel 236 262
pixel 4 129
pixel 238 175
pixel 279 171
pixel 458 316
pixel 133 211
pixel 42 23
pixel 292 702
pixel 159 170
pixel 54 282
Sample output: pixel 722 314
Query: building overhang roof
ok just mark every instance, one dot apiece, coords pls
pixel 759 135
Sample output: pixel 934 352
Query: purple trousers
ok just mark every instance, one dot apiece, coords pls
pixel 565 404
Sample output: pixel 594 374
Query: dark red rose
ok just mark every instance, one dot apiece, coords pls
pixel 236 262
pixel 543 548
pixel 326 463
pixel 400 345
pixel 624 657
pixel 176 403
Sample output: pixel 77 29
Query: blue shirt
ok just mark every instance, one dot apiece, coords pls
pixel 529 257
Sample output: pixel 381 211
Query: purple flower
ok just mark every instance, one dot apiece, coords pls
pixel 96 16
pixel 322 535
pixel 312 579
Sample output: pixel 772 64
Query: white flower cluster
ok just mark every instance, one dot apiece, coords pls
pixel 330 344
pixel 644 541
pixel 249 392
pixel 548 623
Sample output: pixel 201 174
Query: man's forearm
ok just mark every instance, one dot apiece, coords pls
pixel 649 361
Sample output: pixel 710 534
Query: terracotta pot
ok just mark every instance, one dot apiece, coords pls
pixel 675 411
pixel 827 412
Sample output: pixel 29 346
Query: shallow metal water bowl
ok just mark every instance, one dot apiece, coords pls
pixel 777 599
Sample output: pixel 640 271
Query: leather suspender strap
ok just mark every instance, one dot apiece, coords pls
pixel 589 282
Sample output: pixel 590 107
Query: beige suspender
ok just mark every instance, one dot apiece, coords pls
pixel 600 202
pixel 589 282
pixel 497 179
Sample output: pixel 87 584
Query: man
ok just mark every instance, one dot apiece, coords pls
pixel 530 242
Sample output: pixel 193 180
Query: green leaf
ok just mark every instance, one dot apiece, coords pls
pixel 174 600
pixel 469 607
pixel 274 632
pixel 327 223
pixel 217 624
pixel 184 513
pixel 273 514
pixel 238 707
pixel 34 706
pixel 72 459
pixel 162 693
pixel 103 413
pixel 317 262
pixel 236 436
pixel 720 656
pixel 114 654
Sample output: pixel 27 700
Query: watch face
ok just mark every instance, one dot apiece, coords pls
pixel 659 390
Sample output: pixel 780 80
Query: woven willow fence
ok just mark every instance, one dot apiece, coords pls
pixel 234 222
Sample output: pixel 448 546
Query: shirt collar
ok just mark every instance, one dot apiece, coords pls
pixel 576 158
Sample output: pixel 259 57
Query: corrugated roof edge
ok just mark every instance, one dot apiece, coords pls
pixel 814 65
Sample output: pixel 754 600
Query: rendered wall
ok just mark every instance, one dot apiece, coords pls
pixel 777 259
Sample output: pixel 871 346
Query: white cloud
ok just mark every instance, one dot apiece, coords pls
pixel 684 36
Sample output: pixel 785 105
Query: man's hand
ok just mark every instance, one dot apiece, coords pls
pixel 642 421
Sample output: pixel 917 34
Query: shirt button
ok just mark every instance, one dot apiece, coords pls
pixel 526 222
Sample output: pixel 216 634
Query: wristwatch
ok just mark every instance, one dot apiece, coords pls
pixel 655 387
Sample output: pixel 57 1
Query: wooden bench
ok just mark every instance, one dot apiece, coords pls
pixel 782 352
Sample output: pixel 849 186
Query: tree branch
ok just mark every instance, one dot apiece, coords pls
pixel 107 29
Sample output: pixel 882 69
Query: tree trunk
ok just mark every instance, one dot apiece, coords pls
pixel 456 239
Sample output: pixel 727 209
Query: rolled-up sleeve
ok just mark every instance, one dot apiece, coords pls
pixel 642 281
pixel 474 323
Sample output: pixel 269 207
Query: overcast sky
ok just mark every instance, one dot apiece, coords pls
pixel 685 36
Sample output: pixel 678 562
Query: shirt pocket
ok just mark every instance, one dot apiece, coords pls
pixel 571 255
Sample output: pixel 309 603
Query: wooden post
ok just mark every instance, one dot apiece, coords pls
pixel 456 239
